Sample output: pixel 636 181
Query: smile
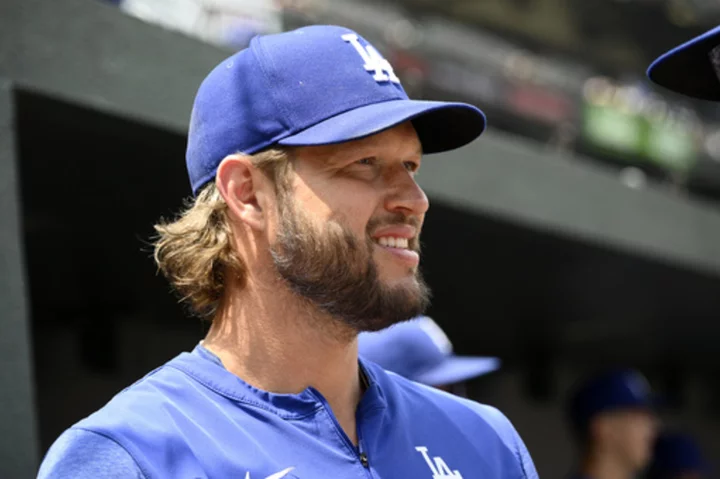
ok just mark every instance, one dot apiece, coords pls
pixel 393 242
pixel 399 249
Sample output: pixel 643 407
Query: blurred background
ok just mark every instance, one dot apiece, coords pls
pixel 582 231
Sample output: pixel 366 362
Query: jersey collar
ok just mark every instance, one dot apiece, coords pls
pixel 207 369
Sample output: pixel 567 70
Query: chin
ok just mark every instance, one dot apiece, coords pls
pixel 395 272
pixel 408 279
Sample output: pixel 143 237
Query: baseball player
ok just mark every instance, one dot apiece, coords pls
pixel 303 231
pixel 691 68
pixel 420 350
pixel 677 456
pixel 613 419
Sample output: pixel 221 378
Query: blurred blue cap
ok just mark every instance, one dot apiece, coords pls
pixel 676 453
pixel 421 351
pixel 316 85
pixel 691 68
pixel 610 391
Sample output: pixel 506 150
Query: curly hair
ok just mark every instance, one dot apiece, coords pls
pixel 195 251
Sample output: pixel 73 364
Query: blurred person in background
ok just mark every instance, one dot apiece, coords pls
pixel 304 231
pixel 677 456
pixel 613 418
pixel 420 350
pixel 692 68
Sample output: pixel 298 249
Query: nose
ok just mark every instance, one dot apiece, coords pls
pixel 406 196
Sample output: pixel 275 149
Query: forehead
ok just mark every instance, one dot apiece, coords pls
pixel 401 141
pixel 631 415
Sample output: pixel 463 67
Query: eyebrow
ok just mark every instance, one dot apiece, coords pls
pixel 335 155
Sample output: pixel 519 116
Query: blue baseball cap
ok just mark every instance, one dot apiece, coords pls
pixel 421 351
pixel 692 68
pixel 676 453
pixel 610 391
pixel 316 85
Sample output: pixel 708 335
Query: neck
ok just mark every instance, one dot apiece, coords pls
pixel 276 342
pixel 606 466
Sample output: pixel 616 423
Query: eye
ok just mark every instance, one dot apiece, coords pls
pixel 411 166
pixel 366 161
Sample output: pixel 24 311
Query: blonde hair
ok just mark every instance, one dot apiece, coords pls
pixel 195 251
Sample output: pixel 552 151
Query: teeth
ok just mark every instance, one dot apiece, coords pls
pixel 393 242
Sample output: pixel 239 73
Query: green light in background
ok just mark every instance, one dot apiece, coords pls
pixel 670 147
pixel 610 128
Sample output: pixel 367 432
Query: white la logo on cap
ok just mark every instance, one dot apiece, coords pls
pixel 373 60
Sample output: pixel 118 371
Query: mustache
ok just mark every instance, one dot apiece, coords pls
pixel 393 219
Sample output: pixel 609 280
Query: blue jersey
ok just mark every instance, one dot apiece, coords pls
pixel 191 418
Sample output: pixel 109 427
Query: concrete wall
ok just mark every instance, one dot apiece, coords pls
pixel 18 443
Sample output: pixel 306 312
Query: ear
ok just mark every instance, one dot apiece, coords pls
pixel 242 186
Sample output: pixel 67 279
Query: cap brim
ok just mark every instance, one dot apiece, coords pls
pixel 688 70
pixel 440 126
pixel 458 368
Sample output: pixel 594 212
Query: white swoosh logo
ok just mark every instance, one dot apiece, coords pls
pixel 277 475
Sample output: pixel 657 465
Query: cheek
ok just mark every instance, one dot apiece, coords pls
pixel 645 426
pixel 350 202
pixel 356 214
pixel 313 207
pixel 272 215
pixel 642 435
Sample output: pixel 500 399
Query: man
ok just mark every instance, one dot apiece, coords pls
pixel 304 231
pixel 691 68
pixel 612 417
pixel 677 456
pixel 420 350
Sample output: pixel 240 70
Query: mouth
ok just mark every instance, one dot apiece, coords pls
pixel 400 249
pixel 392 242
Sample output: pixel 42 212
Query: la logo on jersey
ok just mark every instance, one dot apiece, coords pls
pixel 374 62
pixel 438 466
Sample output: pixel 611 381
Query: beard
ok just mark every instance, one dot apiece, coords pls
pixel 335 272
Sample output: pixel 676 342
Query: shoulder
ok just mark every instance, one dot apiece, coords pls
pixel 154 395
pixel 121 427
pixel 480 423
pixel 82 454
pixel 484 422
pixel 462 409
pixel 402 393
pixel 167 395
